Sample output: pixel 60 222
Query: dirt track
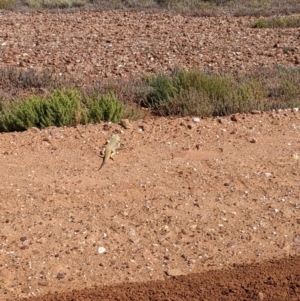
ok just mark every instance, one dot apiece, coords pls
pixel 182 197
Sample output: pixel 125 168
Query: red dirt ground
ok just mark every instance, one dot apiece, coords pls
pixel 184 201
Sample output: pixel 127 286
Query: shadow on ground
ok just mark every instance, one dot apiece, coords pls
pixel 271 280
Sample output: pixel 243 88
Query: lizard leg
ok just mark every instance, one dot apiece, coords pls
pixel 112 154
pixel 102 153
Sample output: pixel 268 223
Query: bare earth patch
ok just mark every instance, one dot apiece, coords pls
pixel 181 198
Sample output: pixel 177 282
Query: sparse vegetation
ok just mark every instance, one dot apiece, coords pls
pixel 64 107
pixel 198 93
pixel 180 93
pixel 54 3
pixel 104 107
pixel 198 7
pixel 288 21
pixel 7 4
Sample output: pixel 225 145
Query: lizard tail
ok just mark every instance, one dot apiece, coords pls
pixel 101 165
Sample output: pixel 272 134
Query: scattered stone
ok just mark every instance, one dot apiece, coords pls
pixel 174 272
pixel 252 140
pixel 53 133
pixel 44 283
pixel 196 119
pixel 295 157
pixel 189 126
pixel 60 275
pixel 25 290
pixel 233 131
pixel 23 238
pixel 142 128
pixel 260 296
pixel 106 127
pixel 296 240
pixel 125 124
pixel 230 244
pixel 234 118
pixel 33 130
pixel 255 112
pixel 101 250
pixel 24 247
pixel 295 110
pixel 198 146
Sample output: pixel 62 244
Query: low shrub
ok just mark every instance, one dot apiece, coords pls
pixel 288 21
pixel 104 107
pixel 7 4
pixel 64 107
pixel 38 4
pixel 198 93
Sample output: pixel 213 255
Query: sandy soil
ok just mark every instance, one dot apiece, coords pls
pixel 183 197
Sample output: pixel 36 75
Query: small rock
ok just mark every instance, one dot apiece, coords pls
pixel 106 127
pixel 252 140
pixel 60 276
pixel 230 244
pixel 174 272
pixel 43 283
pixel 255 112
pixel 33 130
pixel 233 132
pixel 142 128
pixel 101 250
pixel 295 110
pixel 276 121
pixel 295 157
pixel 196 119
pixel 189 126
pixel 260 296
pixel 53 132
pixel 234 118
pixel 25 290
pixel 125 124
pixel 198 146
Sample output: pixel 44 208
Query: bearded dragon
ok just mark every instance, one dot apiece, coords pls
pixel 110 149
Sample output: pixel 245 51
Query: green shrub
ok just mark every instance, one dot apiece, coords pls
pixel 54 3
pixel 289 21
pixel 104 107
pixel 62 107
pixel 7 4
pixel 161 90
pixel 198 93
pixel 260 23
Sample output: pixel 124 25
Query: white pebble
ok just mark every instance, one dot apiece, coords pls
pixel 101 250
pixel 196 119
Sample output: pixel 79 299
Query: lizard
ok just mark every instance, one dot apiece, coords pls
pixel 110 149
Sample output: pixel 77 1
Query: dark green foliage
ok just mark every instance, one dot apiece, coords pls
pixel 198 93
pixel 64 107
pixel 104 107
